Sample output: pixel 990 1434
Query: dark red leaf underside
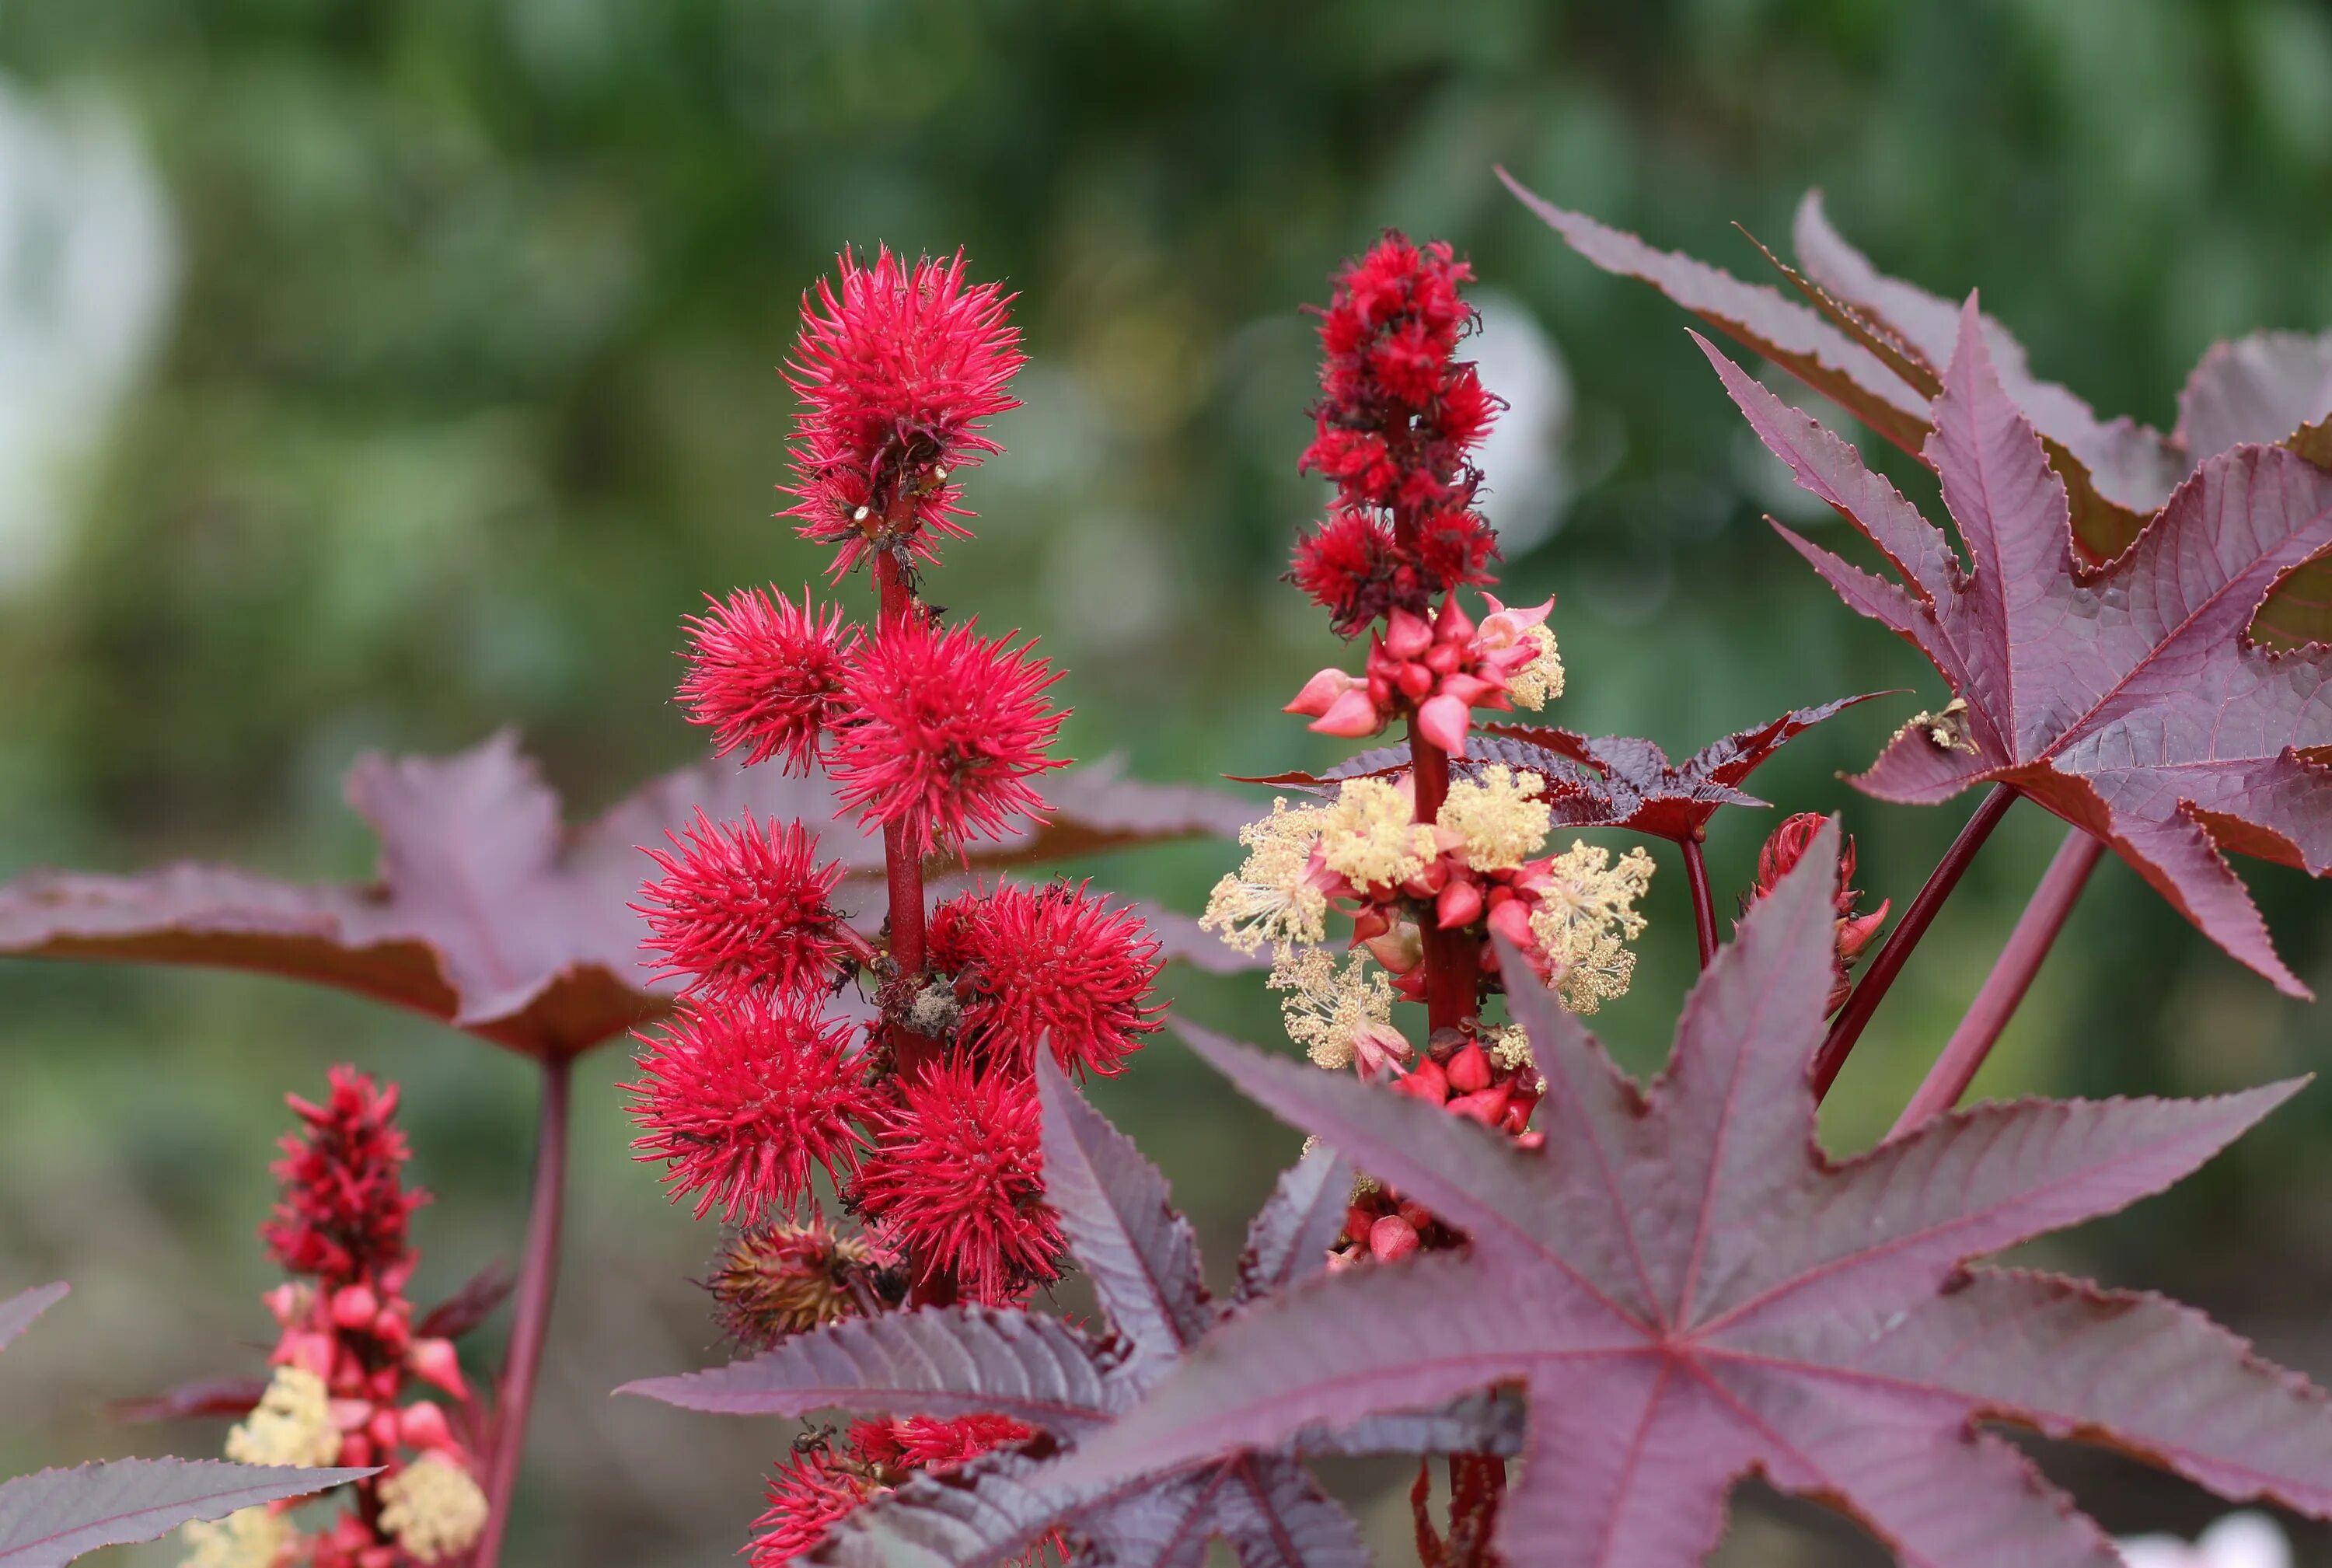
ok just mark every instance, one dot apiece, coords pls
pixel 492 916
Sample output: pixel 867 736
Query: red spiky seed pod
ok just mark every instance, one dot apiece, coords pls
pixel 808 1495
pixel 1054 963
pixel 344 1212
pixel 743 909
pixel 776 1281
pixel 956 1181
pixel 764 675
pixel 933 1443
pixel 740 1101
pixel 946 729
pixel 898 369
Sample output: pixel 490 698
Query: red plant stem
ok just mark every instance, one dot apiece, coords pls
pixel 537 1279
pixel 1905 936
pixel 1452 961
pixel 903 869
pixel 1704 910
pixel 2011 975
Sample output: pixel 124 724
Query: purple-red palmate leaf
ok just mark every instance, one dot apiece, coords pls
pixel 1608 780
pixel 2126 699
pixel 492 916
pixel 18 1311
pixel 1875 346
pixel 1688 1289
pixel 50 1518
pixel 1116 1214
pixel 2270 389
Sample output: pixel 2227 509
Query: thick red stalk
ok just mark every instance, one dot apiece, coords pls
pixel 2011 975
pixel 1905 936
pixel 1451 959
pixel 530 1317
pixel 902 867
pixel 1704 908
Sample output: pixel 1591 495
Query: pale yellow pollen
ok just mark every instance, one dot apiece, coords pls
pixel 1269 899
pixel 1369 836
pixel 1586 916
pixel 1539 681
pixel 247 1538
pixel 432 1507
pixel 1329 1008
pixel 1510 1049
pixel 1499 816
pixel 292 1425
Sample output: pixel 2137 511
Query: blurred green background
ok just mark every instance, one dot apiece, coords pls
pixel 373 375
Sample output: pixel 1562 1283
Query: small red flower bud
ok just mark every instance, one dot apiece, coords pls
pixel 1461 905
pixel 1391 1238
pixel 1444 721
pixel 1320 694
pixel 422 1424
pixel 1352 716
pixel 434 1361
pixel 1469 1069
pixel 354 1306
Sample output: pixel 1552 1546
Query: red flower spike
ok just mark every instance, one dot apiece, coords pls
pixel 898 371
pixel 1055 964
pixel 764 675
pixel 946 729
pixel 958 1181
pixel 741 1103
pixel 343 1215
pixel 743 909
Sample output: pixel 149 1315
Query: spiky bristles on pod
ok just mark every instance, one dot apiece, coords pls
pixel 1053 963
pixel 741 1101
pixel 778 1280
pixel 823 1481
pixel 956 1181
pixel 946 728
pixel 898 369
pixel 743 909
pixel 765 674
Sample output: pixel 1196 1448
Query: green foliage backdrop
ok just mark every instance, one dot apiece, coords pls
pixel 467 390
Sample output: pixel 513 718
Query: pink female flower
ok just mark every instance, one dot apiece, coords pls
pixel 898 371
pixel 958 1181
pixel 946 729
pixel 764 675
pixel 1053 963
pixel 743 909
pixel 739 1104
